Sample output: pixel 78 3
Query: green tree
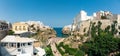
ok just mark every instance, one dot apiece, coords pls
pixel 48 51
pixel 102 43
pixel 10 32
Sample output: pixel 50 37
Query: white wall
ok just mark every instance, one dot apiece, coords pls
pixel 83 15
pixel 118 19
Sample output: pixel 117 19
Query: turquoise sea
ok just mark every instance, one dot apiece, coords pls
pixel 59 32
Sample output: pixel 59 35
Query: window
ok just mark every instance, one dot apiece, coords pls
pixel 18 45
pixel 2 44
pixel 15 27
pixel 29 43
pixel 12 44
pixel 19 50
pixel 2 27
pixel 24 28
pixel 24 44
pixel 5 44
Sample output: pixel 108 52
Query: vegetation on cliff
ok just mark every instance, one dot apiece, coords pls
pixel 102 42
pixel 48 51
pixel 67 51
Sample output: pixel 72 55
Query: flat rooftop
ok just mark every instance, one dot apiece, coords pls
pixel 12 38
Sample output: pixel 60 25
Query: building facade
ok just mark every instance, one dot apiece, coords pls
pixel 20 27
pixel 118 25
pixel 82 16
pixel 104 15
pixel 3 25
pixel 3 29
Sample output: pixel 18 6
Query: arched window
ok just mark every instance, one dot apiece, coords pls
pixel 15 27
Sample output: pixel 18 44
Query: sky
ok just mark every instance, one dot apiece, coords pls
pixel 55 13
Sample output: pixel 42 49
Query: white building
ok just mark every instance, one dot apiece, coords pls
pixel 82 16
pixel 118 25
pixel 118 19
pixel 16 46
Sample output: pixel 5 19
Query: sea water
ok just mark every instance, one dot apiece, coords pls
pixel 59 32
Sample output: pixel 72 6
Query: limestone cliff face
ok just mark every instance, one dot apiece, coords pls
pixel 85 25
pixel 80 36
pixel 43 35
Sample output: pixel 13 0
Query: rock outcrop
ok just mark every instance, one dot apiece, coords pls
pixel 43 35
pixel 66 29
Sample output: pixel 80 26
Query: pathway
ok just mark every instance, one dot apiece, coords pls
pixel 52 42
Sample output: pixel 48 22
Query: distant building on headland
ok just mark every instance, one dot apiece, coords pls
pixel 16 46
pixel 4 27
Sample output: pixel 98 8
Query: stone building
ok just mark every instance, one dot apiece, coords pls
pixel 3 29
pixel 28 26
pixel 104 15
pixel 20 27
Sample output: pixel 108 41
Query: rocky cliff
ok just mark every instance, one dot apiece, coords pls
pixel 43 35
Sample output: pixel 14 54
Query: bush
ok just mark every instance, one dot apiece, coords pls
pixel 60 50
pixel 10 32
pixel 48 51
pixel 70 51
